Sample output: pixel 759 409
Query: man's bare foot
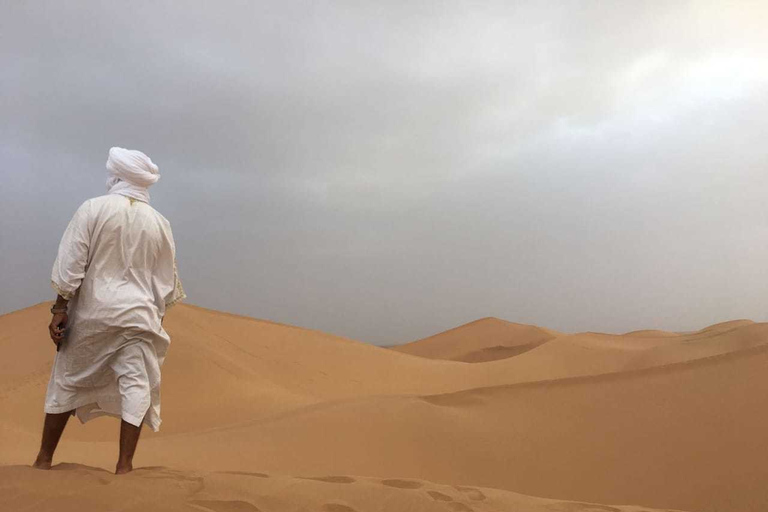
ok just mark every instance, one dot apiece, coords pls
pixel 121 469
pixel 42 462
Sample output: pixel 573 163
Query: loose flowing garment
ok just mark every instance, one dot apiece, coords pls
pixel 117 266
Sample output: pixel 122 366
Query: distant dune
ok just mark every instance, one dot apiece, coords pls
pixel 265 416
pixel 486 339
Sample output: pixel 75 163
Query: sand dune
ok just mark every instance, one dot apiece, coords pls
pixel 486 339
pixel 669 420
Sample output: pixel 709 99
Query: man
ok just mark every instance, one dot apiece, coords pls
pixel 115 275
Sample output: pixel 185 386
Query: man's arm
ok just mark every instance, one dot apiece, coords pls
pixel 69 268
pixel 59 320
pixel 72 257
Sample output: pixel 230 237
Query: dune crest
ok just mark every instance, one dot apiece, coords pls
pixel 486 339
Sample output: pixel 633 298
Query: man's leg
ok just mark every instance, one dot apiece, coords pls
pixel 130 364
pixel 129 438
pixel 52 429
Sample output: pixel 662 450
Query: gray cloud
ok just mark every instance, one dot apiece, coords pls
pixel 384 171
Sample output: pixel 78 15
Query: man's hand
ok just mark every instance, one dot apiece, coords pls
pixel 56 329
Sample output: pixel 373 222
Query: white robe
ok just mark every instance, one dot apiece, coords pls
pixel 117 265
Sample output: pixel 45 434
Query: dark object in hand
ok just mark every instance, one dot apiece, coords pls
pixel 57 327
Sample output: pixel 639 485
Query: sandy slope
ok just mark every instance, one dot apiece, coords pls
pixel 168 490
pixel 671 420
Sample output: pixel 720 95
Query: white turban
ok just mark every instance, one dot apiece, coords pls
pixel 131 173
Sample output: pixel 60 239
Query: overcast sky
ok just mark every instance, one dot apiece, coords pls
pixel 387 170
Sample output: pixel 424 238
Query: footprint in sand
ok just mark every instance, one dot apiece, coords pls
pixel 471 492
pixel 438 496
pixel 337 507
pixel 449 501
pixel 163 473
pixel 331 479
pixel 223 506
pixel 402 484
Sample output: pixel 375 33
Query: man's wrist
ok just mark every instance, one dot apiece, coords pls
pixel 60 306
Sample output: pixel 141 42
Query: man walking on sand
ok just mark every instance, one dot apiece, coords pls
pixel 115 275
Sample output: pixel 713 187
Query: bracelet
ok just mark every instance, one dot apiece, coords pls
pixel 55 311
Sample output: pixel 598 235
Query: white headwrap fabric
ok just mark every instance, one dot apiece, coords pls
pixel 131 173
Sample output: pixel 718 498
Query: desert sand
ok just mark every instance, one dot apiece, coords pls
pixel 488 416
